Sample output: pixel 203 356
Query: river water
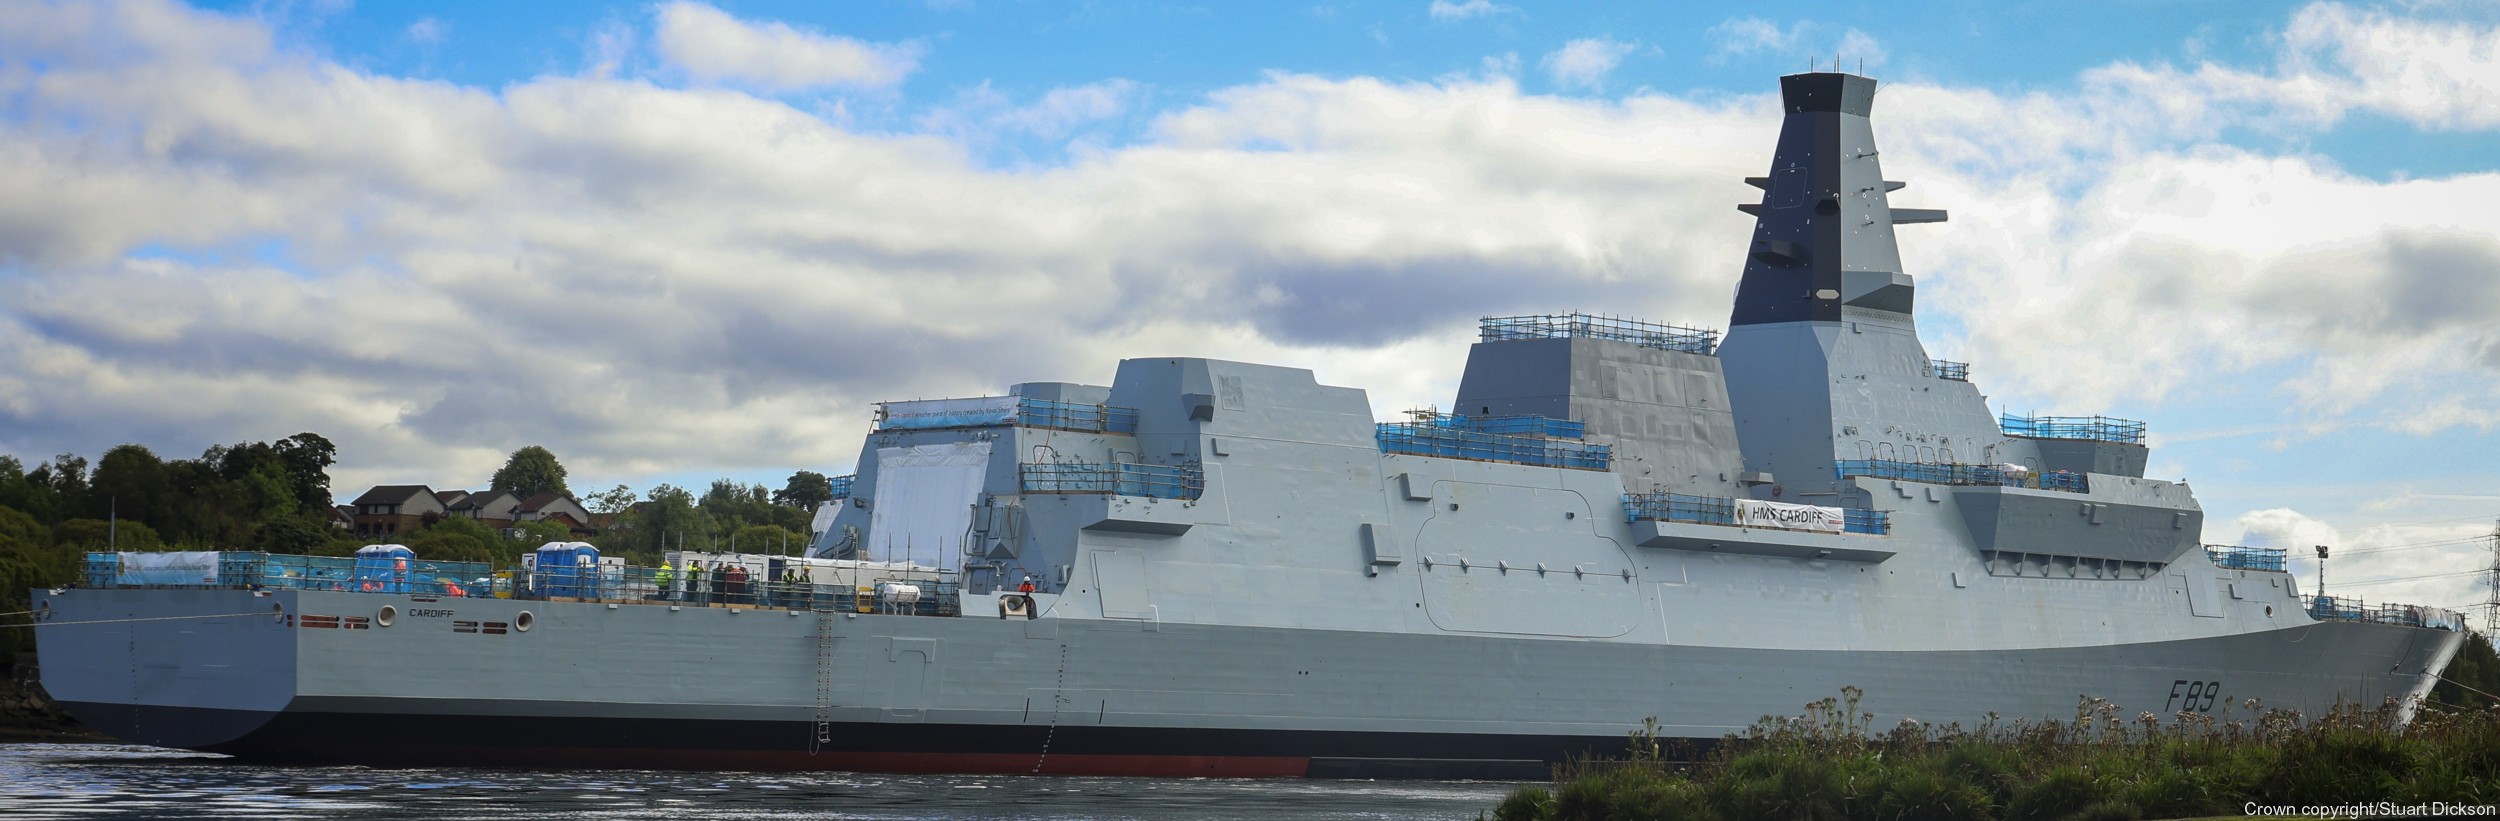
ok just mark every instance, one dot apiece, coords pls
pixel 87 781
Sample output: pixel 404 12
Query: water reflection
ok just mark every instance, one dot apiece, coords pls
pixel 96 781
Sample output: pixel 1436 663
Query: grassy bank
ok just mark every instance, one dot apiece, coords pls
pixel 1828 764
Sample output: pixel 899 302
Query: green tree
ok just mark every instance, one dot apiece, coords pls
pixel 531 471
pixel 732 505
pixel 767 539
pixel 535 532
pixel 806 489
pixel 291 534
pixel 15 493
pixel 84 535
pixel 615 501
pixel 307 458
pixel 57 488
pixel 2474 673
pixel 27 560
pixel 461 539
pixel 670 522
pixel 131 484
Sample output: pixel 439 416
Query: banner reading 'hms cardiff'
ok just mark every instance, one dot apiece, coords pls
pixel 1750 513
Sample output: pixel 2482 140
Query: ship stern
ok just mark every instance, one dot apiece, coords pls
pixel 189 668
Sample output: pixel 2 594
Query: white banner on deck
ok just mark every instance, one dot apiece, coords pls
pixel 1750 513
pixel 197 567
pixel 920 414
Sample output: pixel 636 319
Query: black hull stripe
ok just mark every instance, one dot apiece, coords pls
pixel 380 739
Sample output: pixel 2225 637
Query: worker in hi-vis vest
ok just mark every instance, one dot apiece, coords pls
pixel 661 579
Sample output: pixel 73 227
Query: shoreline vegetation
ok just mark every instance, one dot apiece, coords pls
pixel 1830 763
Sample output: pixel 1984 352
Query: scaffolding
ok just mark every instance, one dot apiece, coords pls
pixel 2238 557
pixel 2094 428
pixel 1045 413
pixel 1948 369
pixel 842 485
pixel 1524 424
pixel 1004 411
pixel 1947 473
pixel 1592 326
pixel 1679 507
pixel 1113 479
pixel 1432 438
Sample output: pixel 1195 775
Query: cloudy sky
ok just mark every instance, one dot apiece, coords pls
pixel 682 240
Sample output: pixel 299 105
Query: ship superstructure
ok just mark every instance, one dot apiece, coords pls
pixel 1236 570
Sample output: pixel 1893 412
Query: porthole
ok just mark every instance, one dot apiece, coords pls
pixel 388 615
pixel 524 621
pixel 277 612
pixel 2269 611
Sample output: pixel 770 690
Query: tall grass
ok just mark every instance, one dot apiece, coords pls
pixel 1827 764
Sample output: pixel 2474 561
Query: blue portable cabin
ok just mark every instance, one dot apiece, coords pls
pixel 568 569
pixel 382 568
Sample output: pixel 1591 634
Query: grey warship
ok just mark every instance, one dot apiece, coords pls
pixel 1213 568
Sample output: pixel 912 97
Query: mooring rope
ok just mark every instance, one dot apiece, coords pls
pixel 129 620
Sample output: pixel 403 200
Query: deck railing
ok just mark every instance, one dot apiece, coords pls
pixel 1434 439
pixel 1959 474
pixel 2094 428
pixel 2343 608
pixel 1592 326
pixel 1004 411
pixel 247 569
pixel 2245 558
pixel 1045 413
pixel 1114 479
pixel 1679 507
pixel 857 591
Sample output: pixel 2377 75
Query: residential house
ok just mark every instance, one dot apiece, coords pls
pixel 343 517
pixel 557 508
pixel 388 509
pixel 496 509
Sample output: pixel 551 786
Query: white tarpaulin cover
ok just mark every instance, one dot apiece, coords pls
pixel 923 508
pixel 824 517
pixel 195 567
pixel 920 414
pixel 1750 513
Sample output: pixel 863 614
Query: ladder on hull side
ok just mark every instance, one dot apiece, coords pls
pixel 822 734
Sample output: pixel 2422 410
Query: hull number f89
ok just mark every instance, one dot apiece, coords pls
pixel 2192 696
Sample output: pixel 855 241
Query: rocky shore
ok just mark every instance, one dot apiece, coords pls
pixel 26 714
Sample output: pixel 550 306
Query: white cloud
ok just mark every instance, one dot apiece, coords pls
pixel 982 117
pixel 429 31
pixel 650 278
pixel 711 45
pixel 1852 50
pixel 1584 63
pixel 2428 564
pixel 1750 35
pixel 2439 74
pixel 1446 10
pixel 1859 51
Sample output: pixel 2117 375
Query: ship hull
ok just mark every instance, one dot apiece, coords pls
pixel 634 685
